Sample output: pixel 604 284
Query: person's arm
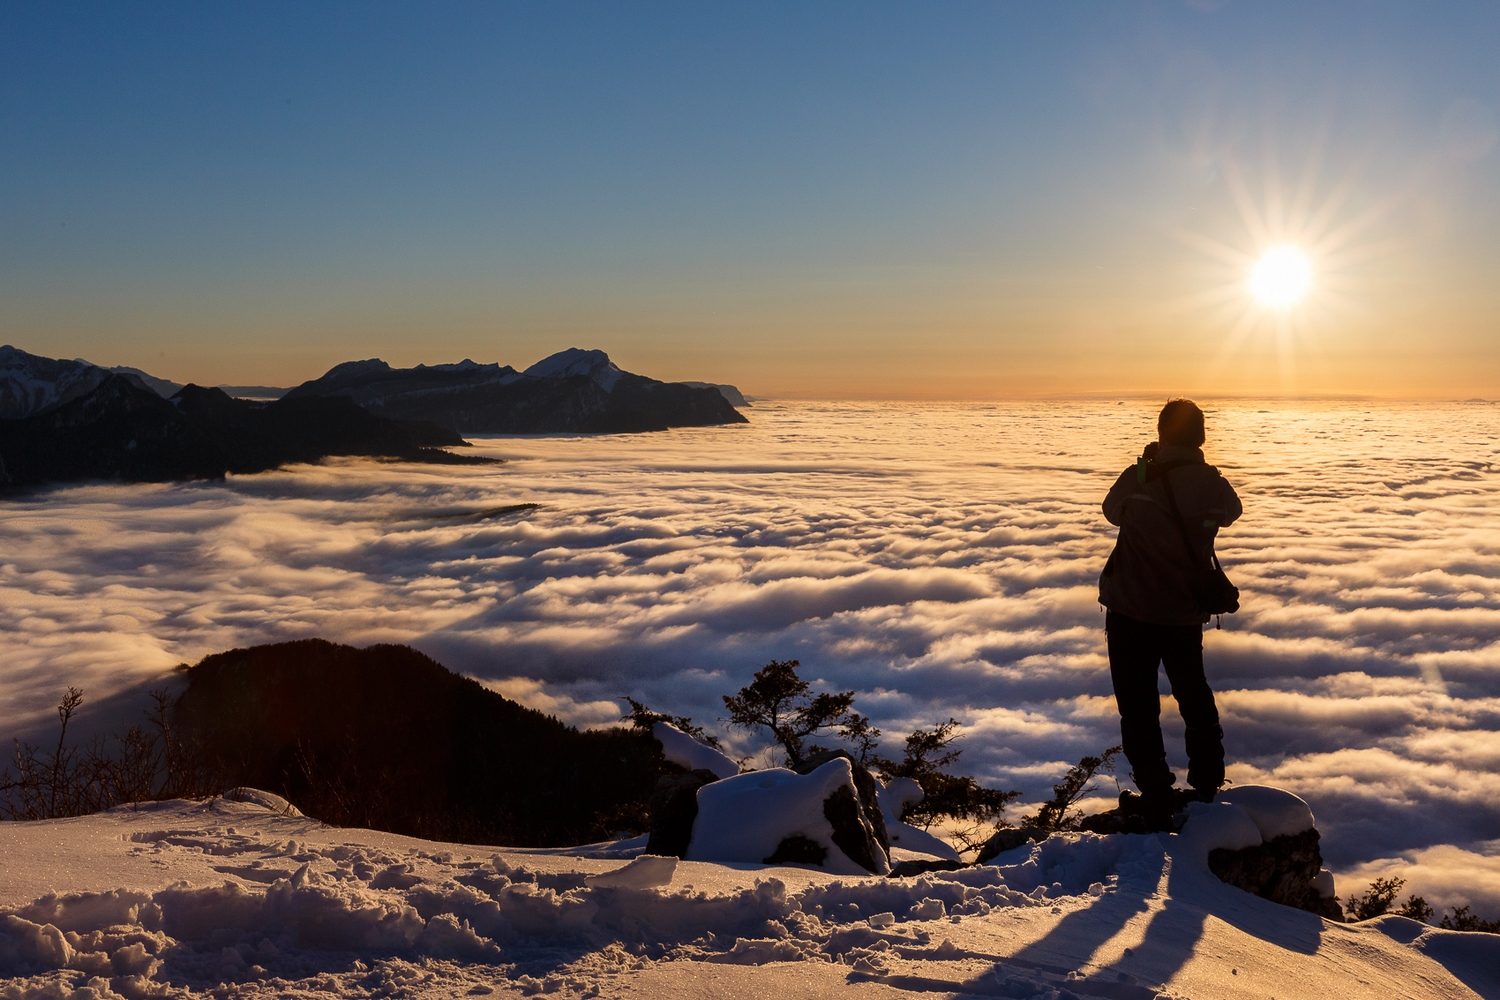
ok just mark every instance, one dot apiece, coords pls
pixel 1114 500
pixel 1231 501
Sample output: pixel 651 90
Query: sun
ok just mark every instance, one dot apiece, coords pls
pixel 1281 277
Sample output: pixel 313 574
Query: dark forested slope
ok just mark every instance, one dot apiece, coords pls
pixel 388 738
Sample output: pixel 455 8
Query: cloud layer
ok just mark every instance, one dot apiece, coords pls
pixel 941 560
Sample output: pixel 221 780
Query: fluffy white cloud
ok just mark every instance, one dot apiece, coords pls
pixel 941 560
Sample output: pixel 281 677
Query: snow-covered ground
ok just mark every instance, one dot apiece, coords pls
pixel 240 899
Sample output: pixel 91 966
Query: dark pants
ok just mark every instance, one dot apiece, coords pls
pixel 1135 649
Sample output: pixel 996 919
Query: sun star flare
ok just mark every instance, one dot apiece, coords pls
pixel 1281 277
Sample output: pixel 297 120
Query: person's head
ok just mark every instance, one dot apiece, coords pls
pixel 1181 424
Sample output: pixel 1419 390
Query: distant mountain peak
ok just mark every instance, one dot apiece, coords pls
pixel 577 361
pixel 369 366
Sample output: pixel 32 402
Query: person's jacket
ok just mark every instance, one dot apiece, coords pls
pixel 1150 574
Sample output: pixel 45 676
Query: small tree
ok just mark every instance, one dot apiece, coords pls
pixel 643 718
pixel 783 703
pixel 1054 813
pixel 1416 908
pixel 1377 899
pixel 1462 920
pixel 145 762
pixel 929 756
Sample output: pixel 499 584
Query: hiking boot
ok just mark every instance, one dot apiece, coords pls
pixel 1147 813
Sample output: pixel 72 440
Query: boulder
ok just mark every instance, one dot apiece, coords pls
pixel 1284 869
pixel 783 816
pixel 673 808
pixel 858 825
pixel 1008 839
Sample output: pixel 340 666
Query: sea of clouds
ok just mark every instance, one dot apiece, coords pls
pixel 939 559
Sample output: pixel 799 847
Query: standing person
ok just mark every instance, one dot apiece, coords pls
pixel 1169 506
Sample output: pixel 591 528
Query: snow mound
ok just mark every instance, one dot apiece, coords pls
pixel 646 872
pixel 266 800
pixel 894 798
pixel 680 748
pixel 1274 811
pixel 746 817
pixel 897 795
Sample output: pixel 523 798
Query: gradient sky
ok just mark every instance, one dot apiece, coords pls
pixel 815 199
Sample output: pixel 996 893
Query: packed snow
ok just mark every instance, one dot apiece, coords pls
pixel 681 749
pixel 242 899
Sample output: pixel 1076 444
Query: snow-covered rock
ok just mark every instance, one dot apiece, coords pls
pixel 266 800
pixel 894 797
pixel 1261 840
pixel 751 817
pixel 681 749
pixel 1276 812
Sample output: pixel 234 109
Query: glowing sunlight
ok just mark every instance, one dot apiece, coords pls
pixel 1281 277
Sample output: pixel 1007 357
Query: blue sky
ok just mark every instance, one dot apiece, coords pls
pixel 840 199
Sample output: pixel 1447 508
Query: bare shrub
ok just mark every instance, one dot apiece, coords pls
pixel 148 762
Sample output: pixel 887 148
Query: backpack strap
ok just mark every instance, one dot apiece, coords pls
pixel 1187 539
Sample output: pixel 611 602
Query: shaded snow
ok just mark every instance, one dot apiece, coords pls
pixel 230 897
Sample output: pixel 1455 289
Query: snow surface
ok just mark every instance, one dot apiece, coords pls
pixel 236 899
pixel 680 748
pixel 745 818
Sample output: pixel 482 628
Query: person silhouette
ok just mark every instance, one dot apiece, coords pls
pixel 1169 507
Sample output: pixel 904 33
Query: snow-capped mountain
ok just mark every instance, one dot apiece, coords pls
pixel 576 361
pixel 31 384
pixel 70 420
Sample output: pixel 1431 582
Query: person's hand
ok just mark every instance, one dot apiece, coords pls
pixel 1149 452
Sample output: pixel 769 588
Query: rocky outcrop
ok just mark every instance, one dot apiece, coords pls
pixel 673 808
pixel 816 814
pixel 573 391
pixel 1283 869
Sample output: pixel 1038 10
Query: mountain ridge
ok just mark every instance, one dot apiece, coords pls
pixel 572 391
pixel 90 423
